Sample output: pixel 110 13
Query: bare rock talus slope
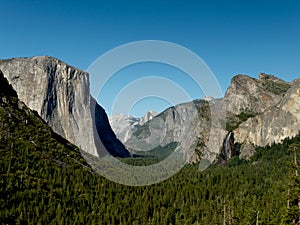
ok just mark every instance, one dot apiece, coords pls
pixel 60 95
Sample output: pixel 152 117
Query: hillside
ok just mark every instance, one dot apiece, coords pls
pixel 35 162
pixel 44 180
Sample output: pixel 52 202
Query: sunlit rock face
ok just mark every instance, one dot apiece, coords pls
pixel 275 123
pixel 202 124
pixel 266 110
pixel 255 95
pixel 60 94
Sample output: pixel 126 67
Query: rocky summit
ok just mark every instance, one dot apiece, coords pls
pixel 253 112
pixel 124 125
pixel 279 121
pixel 60 94
pixel 249 94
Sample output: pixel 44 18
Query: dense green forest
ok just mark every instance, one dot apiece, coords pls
pixel 45 180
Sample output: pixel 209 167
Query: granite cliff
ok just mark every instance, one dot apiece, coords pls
pixel 213 127
pixel 59 93
pixel 255 95
pixel 184 125
pixel 276 123
pixel 253 112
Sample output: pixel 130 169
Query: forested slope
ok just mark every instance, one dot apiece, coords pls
pixel 45 180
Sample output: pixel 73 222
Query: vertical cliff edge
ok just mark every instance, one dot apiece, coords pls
pixel 60 94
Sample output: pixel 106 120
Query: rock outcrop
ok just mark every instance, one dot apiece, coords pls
pixel 253 95
pixel 210 126
pixel 248 98
pixel 275 124
pixel 59 93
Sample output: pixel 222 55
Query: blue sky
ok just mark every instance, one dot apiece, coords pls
pixel 232 37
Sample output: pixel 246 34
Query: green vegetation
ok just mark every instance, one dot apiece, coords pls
pixel 49 183
pixel 199 147
pixel 36 169
pixel 143 131
pixel 292 215
pixel 234 121
pixel 45 180
pixel 151 157
pixel 203 109
pixel 278 88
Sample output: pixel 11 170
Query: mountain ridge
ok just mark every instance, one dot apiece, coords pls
pixel 245 98
pixel 60 95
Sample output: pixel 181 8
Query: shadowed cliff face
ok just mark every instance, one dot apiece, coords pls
pixel 60 95
pixel 5 88
pixel 105 139
pixel 228 148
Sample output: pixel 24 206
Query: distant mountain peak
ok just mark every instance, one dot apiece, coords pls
pixel 147 116
pixel 125 125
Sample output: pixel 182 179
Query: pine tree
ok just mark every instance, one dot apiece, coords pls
pixel 293 200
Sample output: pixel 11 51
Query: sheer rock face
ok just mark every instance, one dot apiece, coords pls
pixel 274 124
pixel 58 92
pixel 188 124
pixel 60 95
pixel 197 125
pixel 105 139
pixel 255 95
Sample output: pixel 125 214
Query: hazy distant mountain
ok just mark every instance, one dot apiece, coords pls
pixel 124 125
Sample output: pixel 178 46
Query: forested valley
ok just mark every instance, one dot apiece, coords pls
pixel 45 180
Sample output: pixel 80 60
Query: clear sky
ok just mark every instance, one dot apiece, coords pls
pixel 232 37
